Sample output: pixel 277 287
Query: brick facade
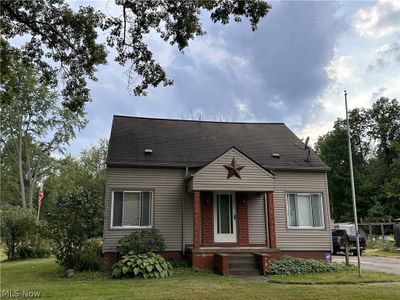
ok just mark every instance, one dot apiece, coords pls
pixel 271 220
pixel 222 264
pixel 196 219
pixel 242 220
pixel 207 220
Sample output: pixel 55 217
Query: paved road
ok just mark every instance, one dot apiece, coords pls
pixel 374 263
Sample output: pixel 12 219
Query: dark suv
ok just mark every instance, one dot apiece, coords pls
pixel 339 239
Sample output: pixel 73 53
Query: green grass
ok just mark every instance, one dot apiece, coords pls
pixel 349 277
pixel 45 275
pixel 380 252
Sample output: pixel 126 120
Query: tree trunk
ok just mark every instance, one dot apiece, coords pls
pixel 21 171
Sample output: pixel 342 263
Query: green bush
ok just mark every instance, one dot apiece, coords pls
pixel 146 265
pixel 143 241
pixel 388 246
pixel 385 245
pixel 90 257
pixel 22 234
pixel 74 220
pixel 288 265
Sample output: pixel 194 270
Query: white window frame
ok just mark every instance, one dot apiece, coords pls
pixel 131 226
pixel 305 227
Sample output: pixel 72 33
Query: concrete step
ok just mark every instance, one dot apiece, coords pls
pixel 242 258
pixel 243 265
pixel 244 272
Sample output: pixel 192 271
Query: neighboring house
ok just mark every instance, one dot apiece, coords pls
pixel 215 190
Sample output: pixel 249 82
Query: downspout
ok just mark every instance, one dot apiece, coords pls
pixel 183 208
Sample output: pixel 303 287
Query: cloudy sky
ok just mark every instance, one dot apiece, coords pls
pixel 293 69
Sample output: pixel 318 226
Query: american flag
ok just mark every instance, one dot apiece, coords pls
pixel 40 197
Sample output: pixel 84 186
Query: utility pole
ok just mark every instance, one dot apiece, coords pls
pixel 353 190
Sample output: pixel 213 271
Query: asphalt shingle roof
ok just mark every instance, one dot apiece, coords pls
pixel 179 143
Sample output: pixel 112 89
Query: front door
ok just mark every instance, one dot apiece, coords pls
pixel 224 217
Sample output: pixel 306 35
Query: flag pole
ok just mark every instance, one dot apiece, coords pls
pixel 353 190
pixel 40 198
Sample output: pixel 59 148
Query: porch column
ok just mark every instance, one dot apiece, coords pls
pixel 196 219
pixel 271 220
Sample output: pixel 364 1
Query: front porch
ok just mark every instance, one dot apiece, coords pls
pixel 229 236
pixel 233 213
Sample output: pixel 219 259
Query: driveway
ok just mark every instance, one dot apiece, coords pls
pixel 374 263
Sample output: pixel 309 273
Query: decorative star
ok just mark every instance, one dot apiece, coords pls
pixel 233 169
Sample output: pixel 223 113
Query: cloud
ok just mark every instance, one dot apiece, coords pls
pixel 385 54
pixel 378 20
pixel 339 68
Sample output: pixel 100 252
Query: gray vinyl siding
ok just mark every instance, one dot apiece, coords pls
pixel 213 177
pixel 300 239
pixel 168 186
pixel 188 219
pixel 256 217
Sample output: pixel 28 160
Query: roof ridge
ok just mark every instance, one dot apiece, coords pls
pixel 198 121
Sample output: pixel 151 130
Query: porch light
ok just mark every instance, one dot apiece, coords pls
pixel 276 155
pixel 148 151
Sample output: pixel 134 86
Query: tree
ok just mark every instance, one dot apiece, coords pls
pixel 33 124
pixel 69 38
pixel 375 172
pixel 385 126
pixel 74 220
pixel 85 172
pixel 17 225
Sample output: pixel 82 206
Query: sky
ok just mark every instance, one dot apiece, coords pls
pixel 293 69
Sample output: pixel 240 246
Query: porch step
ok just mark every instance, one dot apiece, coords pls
pixel 243 265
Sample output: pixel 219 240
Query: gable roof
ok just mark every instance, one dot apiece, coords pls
pixel 214 175
pixel 180 143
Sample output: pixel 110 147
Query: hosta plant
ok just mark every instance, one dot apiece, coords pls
pixel 146 265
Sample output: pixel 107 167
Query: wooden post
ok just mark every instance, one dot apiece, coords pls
pixel 346 253
pixel 383 233
pixel 370 229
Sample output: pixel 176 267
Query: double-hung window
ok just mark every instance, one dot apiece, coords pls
pixel 305 210
pixel 132 209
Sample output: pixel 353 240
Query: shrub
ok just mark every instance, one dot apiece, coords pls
pixel 74 220
pixel 18 226
pixel 388 246
pixel 288 265
pixel 90 258
pixel 143 241
pixel 146 265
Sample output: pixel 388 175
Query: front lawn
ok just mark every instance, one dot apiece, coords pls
pixel 348 277
pixel 45 275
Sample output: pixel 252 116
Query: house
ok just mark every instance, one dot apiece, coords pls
pixel 216 191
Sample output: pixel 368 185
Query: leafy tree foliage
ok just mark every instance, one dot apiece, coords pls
pixel 87 172
pixel 74 220
pixel 375 135
pixel 33 125
pixel 17 226
pixel 64 44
